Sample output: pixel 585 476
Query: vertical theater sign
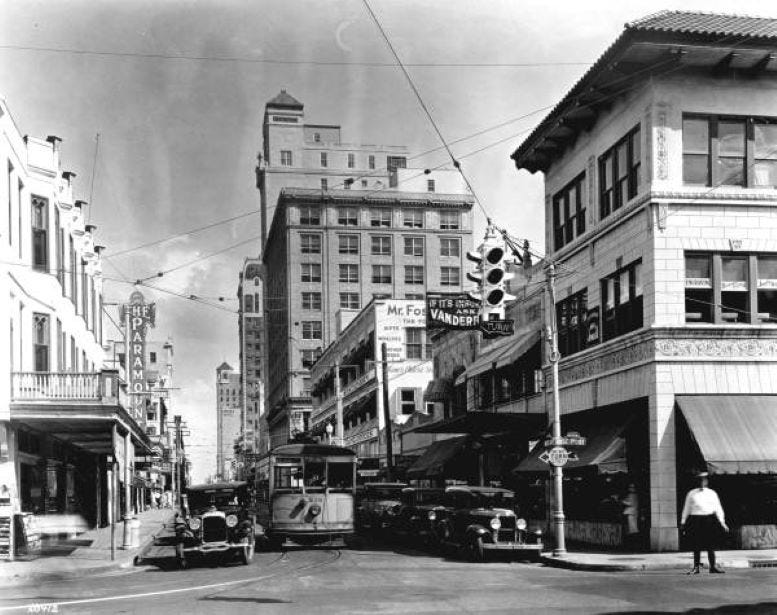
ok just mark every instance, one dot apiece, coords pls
pixel 138 316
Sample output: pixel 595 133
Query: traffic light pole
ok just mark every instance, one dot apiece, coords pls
pixel 558 473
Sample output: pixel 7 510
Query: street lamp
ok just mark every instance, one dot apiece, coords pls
pixel 329 431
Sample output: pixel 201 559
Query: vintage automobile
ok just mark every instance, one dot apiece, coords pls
pixel 479 520
pixel 377 504
pixel 216 519
pixel 413 519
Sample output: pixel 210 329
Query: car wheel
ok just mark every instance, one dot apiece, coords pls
pixel 477 552
pixel 246 554
pixel 180 556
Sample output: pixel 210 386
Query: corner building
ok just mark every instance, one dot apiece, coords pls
pixel 661 211
pixel 331 253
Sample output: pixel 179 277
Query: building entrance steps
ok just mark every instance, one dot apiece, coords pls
pixel 680 561
pixel 88 553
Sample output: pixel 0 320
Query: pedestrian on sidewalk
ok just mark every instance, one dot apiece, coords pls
pixel 702 520
pixel 631 516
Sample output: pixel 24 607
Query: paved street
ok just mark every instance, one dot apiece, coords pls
pixel 373 578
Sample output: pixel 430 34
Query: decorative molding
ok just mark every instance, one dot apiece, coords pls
pixel 647 141
pixel 662 148
pixel 768 197
pixel 606 362
pixel 716 348
pixel 662 213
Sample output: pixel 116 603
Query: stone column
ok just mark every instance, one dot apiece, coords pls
pixel 663 469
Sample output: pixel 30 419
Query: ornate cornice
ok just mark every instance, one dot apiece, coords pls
pixel 716 348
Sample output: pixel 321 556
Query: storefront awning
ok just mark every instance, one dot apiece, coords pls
pixel 605 448
pixel 485 422
pixel 439 389
pixel 500 354
pixel 736 434
pixel 432 462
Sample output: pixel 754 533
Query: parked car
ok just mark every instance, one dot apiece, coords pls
pixel 216 519
pixel 376 505
pixel 414 518
pixel 479 520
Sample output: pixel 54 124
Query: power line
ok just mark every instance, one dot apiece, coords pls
pixel 205 58
pixel 91 183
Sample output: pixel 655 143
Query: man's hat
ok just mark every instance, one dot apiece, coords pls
pixel 702 474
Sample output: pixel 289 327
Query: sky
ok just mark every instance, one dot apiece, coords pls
pixel 176 91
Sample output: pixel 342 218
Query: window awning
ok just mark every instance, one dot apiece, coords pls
pixel 605 448
pixel 736 434
pixel 432 462
pixel 439 389
pixel 501 353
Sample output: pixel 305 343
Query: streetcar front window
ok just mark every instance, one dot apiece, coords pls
pixel 288 477
pixel 340 476
pixel 315 475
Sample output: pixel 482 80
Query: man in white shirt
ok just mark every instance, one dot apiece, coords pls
pixel 702 520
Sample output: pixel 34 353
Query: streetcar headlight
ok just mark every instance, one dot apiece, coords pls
pixel 495 523
pixel 194 523
pixel 432 515
pixel 521 524
pixel 231 520
pixel 315 510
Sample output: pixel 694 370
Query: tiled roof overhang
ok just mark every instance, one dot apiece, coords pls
pixel 657 45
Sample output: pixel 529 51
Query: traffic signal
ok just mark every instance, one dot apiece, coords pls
pixel 491 276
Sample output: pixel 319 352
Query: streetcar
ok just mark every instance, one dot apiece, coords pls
pixel 305 495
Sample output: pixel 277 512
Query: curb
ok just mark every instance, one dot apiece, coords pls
pixel 129 559
pixel 641 566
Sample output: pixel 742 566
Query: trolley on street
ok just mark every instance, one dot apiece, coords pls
pixel 305 495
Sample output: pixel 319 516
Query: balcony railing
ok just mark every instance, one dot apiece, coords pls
pixel 55 386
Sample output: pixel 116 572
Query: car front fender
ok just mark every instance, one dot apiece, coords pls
pixel 478 530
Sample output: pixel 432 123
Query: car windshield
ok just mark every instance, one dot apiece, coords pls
pixel 494 500
pixel 220 498
pixel 429 497
pixel 384 493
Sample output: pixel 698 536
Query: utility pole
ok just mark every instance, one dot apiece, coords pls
pixel 387 413
pixel 339 398
pixel 558 473
pixel 177 419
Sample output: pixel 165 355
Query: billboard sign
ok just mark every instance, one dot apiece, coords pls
pixel 452 311
pixel 392 317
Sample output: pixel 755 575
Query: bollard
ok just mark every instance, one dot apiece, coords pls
pixel 135 532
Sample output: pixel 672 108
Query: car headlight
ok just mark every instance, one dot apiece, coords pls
pixel 495 523
pixel 315 510
pixel 432 515
pixel 521 524
pixel 231 520
pixel 194 523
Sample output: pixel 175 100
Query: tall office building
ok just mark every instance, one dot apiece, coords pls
pixel 228 419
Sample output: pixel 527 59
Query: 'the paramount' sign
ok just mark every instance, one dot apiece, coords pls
pixel 138 316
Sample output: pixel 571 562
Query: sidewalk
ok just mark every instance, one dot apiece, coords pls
pixel 88 553
pixel 619 562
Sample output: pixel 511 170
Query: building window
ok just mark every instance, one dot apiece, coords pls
pixel 381 245
pixel 249 303
pixel 347 216
pixel 311 216
pixel 311 330
pixel 41 342
pixel 430 185
pixel 414 246
pixel 395 162
pixel 349 274
pixel 450 276
pixel 415 342
pixel 449 220
pixel 285 158
pixel 10 203
pixel 310 356
pixel 619 173
pixel 622 301
pixel 414 274
pixel 311 272
pixel 351 161
pixel 407 401
pixel 371 161
pixel 324 160
pixel 571 321
pixel 380 217
pixel 569 213
pixel 364 183
pixel 311 301
pixel 317 137
pixel 730 151
pixel 324 184
pixel 310 244
pixel 450 246
pixel 152 357
pixel 348 244
pixel 40 233
pixel 413 218
pixel 349 301
pixel 381 274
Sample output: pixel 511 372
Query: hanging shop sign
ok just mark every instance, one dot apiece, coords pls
pixel 452 311
pixel 496 328
pixel 138 317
